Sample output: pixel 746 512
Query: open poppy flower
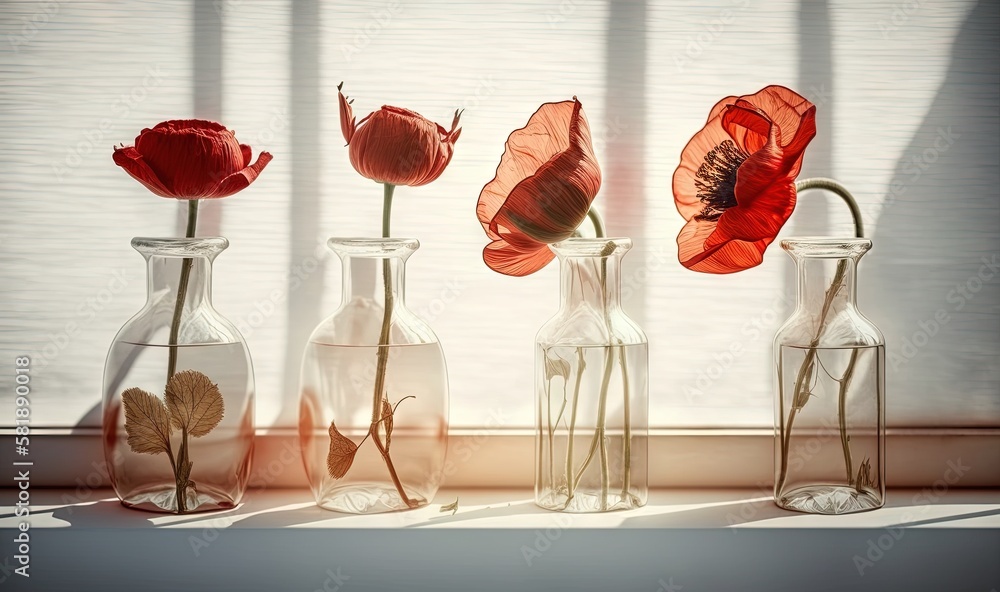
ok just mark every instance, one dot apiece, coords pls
pixel 547 178
pixel 735 185
pixel 397 146
pixel 190 159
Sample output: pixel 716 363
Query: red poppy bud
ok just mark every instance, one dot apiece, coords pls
pixel 397 146
pixel 190 159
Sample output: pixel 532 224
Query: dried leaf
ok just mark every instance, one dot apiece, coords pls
pixel 865 478
pixel 801 397
pixel 387 421
pixel 184 473
pixel 146 422
pixel 556 367
pixel 452 507
pixel 341 455
pixel 195 402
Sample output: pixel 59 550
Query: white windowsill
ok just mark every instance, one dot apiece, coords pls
pixel 491 458
pixel 498 540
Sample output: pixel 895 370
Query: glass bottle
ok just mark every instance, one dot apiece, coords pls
pixel 830 374
pixel 591 384
pixel 373 414
pixel 178 389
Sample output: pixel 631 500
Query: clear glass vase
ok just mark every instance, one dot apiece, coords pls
pixel 178 389
pixel 591 384
pixel 373 414
pixel 830 375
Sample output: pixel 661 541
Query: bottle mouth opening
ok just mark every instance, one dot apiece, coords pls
pixel 206 246
pixel 826 247
pixel 591 247
pixel 373 247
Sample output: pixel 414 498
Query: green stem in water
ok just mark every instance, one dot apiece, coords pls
pixel 572 483
pixel 599 441
pixel 800 394
pixel 845 441
pixel 602 404
pixel 553 424
pixel 602 420
pixel 175 326
pixel 581 365
pixel 383 353
pixel 626 417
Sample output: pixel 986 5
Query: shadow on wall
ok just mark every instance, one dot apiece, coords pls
pixel 932 282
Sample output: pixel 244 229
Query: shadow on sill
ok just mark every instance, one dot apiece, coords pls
pixel 667 509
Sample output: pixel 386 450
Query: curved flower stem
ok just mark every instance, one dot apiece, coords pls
pixel 175 326
pixel 595 218
pixel 800 394
pixel 383 353
pixel 835 187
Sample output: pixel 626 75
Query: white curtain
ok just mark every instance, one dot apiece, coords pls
pixel 908 101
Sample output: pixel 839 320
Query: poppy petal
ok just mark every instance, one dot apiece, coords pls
pixel 503 257
pixel 549 205
pixel 241 179
pixel 547 177
pixel 803 135
pixel 129 159
pixel 783 106
pixel 719 107
pixel 698 250
pixel 203 126
pixel 526 150
pixel 748 127
pixel 347 126
pixel 247 154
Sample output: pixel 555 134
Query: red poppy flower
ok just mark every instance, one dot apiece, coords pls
pixel 735 185
pixel 190 159
pixel 397 146
pixel 547 178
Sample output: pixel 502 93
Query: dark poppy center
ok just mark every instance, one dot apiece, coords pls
pixel 716 180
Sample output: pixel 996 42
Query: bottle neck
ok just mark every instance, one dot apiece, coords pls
pixel 817 277
pixel 367 278
pixel 594 281
pixel 827 272
pixel 166 276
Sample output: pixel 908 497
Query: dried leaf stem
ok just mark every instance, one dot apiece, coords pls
pixel 627 419
pixel 383 354
pixel 175 326
pixel 800 394
pixel 570 482
pixel 194 406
